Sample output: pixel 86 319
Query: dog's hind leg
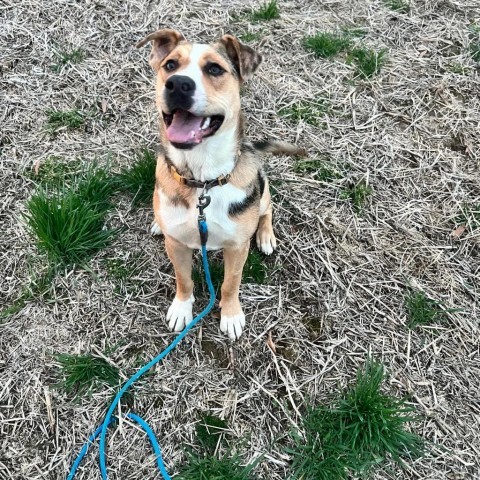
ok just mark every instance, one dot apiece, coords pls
pixel 155 226
pixel 266 241
pixel 180 311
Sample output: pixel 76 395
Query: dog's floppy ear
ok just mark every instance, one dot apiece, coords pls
pixel 163 42
pixel 244 59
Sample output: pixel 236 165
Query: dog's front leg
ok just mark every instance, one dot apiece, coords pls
pixel 232 316
pixel 180 311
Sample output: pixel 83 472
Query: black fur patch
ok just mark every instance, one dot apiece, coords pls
pixel 261 182
pixel 184 146
pixel 177 200
pixel 248 147
pixel 261 146
pixel 238 208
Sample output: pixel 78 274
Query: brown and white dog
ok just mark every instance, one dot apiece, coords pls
pixel 198 97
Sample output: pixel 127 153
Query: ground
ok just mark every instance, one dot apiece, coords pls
pixel 335 289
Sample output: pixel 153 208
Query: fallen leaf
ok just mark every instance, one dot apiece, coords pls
pixel 271 343
pixel 36 167
pixel 458 231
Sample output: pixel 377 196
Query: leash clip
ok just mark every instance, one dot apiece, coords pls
pixel 203 203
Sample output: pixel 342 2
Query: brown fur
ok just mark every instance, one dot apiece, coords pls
pixel 239 62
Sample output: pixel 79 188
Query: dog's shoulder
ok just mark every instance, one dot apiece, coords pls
pixel 248 167
pixel 176 193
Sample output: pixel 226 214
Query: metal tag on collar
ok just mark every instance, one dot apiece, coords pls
pixel 179 178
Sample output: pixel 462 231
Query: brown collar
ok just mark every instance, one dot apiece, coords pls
pixel 191 182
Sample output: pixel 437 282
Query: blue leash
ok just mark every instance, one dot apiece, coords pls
pixel 109 418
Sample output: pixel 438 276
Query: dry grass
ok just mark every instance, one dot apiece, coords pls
pixel 340 278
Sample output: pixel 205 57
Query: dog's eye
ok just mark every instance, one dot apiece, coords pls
pixel 215 69
pixel 170 65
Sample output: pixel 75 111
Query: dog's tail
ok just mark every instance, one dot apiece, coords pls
pixel 277 147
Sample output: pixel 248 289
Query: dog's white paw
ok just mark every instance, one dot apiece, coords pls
pixel 266 242
pixel 180 314
pixel 155 228
pixel 233 325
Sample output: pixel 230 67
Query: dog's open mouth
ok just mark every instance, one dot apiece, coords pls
pixel 186 130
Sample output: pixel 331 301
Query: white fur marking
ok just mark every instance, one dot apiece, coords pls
pixel 155 228
pixel 233 325
pixel 180 314
pixel 194 71
pixel 266 248
pixel 182 223
pixel 266 242
pixel 213 157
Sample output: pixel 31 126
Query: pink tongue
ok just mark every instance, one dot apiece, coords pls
pixel 185 128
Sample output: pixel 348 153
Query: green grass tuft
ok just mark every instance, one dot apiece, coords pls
pixel 357 194
pixel 14 308
pixel 368 62
pixel 459 69
pixel 400 6
pixel 317 168
pixel 474 28
pixel 327 44
pixel 212 468
pixel 209 431
pixel 68 57
pixel 355 32
pixel 121 272
pixel 55 171
pixel 70 119
pixel 139 179
pixel 268 11
pixel 475 51
pixel 422 310
pixel 362 429
pixel 309 112
pixel 254 270
pixel 216 274
pixel 470 217
pixel 250 37
pixel 118 269
pixel 68 221
pixel 38 287
pixel 85 373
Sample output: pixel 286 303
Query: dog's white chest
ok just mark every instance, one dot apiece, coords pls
pixel 181 223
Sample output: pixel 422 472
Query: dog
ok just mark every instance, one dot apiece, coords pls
pixel 203 149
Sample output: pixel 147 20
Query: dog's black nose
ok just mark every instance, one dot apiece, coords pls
pixel 180 83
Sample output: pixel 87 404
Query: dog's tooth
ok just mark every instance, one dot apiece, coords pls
pixel 206 123
pixel 192 134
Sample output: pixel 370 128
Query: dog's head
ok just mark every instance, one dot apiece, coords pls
pixel 198 86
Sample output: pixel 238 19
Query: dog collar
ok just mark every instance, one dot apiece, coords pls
pixel 191 182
